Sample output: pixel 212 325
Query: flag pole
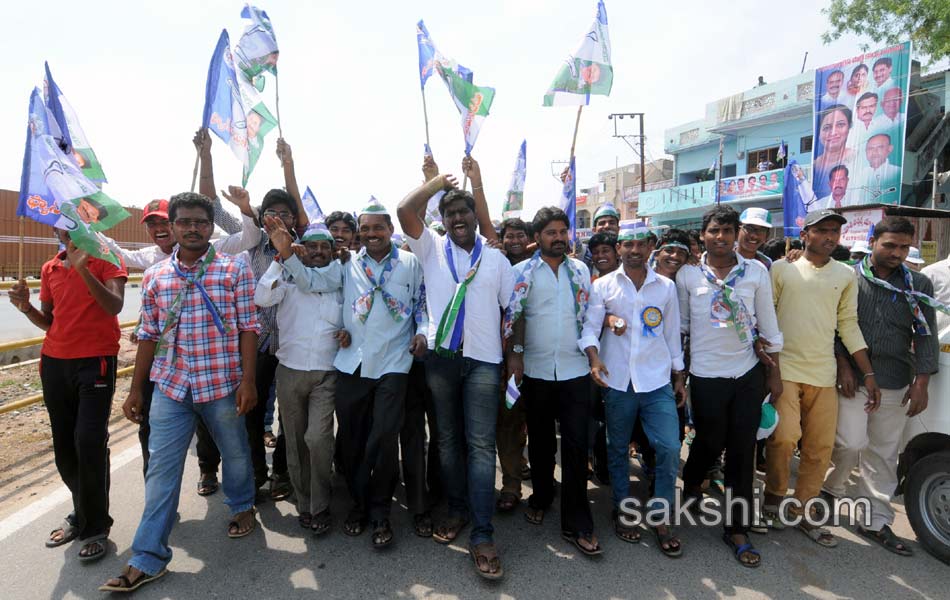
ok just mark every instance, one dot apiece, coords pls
pixel 277 103
pixel 425 115
pixel 194 173
pixel 577 123
pixel 19 272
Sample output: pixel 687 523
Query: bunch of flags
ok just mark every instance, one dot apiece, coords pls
pixel 58 184
pixel 234 109
pixel 473 102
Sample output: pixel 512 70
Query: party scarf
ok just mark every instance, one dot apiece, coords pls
pixel 170 326
pixel 580 289
pixel 726 296
pixel 913 298
pixel 364 303
pixel 453 319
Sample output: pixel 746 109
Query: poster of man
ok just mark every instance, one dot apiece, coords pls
pixel 860 124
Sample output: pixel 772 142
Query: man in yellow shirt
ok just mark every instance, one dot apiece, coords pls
pixel 815 296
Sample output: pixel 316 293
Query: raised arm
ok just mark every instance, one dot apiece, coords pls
pixel 290 180
pixel 414 204
pixel 485 226
pixel 202 142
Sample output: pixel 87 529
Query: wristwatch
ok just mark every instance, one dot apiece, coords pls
pixel 517 349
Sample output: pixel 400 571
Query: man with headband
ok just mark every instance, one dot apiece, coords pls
pixel 312 325
pixel 634 359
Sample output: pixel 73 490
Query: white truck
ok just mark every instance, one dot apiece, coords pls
pixel 923 470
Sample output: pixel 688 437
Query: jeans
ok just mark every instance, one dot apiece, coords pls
pixel 208 456
pixel 657 410
pixel 465 397
pixel 727 412
pixel 173 425
pixel 78 396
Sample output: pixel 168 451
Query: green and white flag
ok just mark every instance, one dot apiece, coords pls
pixel 260 122
pixel 588 71
pixel 514 199
pixel 473 102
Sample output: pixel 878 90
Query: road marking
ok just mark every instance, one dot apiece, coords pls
pixel 34 511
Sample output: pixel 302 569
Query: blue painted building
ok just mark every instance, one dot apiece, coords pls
pixel 751 125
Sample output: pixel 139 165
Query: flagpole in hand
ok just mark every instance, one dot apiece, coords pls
pixel 425 115
pixel 280 132
pixel 577 124
pixel 465 177
pixel 194 173
pixel 19 272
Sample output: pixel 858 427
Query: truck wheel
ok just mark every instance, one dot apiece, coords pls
pixel 927 500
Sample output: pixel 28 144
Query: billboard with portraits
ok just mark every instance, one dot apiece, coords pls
pixel 860 118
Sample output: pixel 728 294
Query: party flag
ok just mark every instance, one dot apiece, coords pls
pixel 586 72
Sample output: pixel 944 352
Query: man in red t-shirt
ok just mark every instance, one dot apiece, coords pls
pixel 80 297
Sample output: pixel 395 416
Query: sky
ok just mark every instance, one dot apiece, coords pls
pixel 350 101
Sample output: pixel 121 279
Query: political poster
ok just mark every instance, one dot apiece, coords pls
pixel 860 116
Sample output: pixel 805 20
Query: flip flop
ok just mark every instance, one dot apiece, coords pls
pixel 819 535
pixel 320 524
pixel 354 524
pixel 740 549
pixel 486 550
pixel 535 516
pixel 888 540
pixel 208 484
pixel 236 526
pixel 449 530
pixel 99 540
pixel 422 524
pixel 70 532
pixel 507 502
pixel 575 538
pixel 668 538
pixel 382 534
pixel 128 586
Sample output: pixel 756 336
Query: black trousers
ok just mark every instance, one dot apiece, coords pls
pixel 726 413
pixel 78 397
pixel 254 421
pixel 420 471
pixel 370 415
pixel 568 402
pixel 208 456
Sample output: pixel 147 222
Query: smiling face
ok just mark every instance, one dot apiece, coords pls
pixel 515 242
pixel 833 131
pixel 669 260
pixel 607 224
pixel 376 234
pixel 554 239
pixel 160 230
pixel 882 72
pixel 835 81
pixel 342 233
pixel 319 253
pixel 751 238
pixel 633 253
pixel 891 103
pixel 605 258
pixel 719 238
pixel 459 221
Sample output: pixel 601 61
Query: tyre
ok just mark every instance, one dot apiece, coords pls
pixel 927 500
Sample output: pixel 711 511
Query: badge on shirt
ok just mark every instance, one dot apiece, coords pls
pixel 651 317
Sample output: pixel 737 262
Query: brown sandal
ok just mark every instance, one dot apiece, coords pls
pixel 447 531
pixel 486 554
pixel 236 527
pixel 126 585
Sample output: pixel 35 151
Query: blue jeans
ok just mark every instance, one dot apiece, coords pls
pixel 465 398
pixel 657 411
pixel 173 425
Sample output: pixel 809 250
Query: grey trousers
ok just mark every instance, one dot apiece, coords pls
pixel 306 407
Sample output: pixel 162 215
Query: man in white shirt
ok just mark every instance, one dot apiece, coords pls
pixel 882 73
pixel 467 283
pixel 833 85
pixel 381 290
pixel 634 358
pixel 864 111
pixel 725 304
pixel 840 196
pixel 891 103
pixel 882 176
pixel 312 328
pixel 939 274
pixel 544 320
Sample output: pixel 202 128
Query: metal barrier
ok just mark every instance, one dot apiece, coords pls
pixel 5 346
pixel 135 278
pixel 30 400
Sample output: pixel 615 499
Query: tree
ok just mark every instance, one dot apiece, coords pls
pixel 926 22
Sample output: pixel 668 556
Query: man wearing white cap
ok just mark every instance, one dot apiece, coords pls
pixel 312 329
pixel 913 261
pixel 381 290
pixel 641 351
pixel 859 250
pixel 756 225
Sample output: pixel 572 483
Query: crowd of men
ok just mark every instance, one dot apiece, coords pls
pixel 484 343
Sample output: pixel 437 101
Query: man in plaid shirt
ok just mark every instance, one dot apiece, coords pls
pixel 198 343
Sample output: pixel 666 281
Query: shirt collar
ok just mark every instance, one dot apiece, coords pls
pixel 621 272
pixel 184 267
